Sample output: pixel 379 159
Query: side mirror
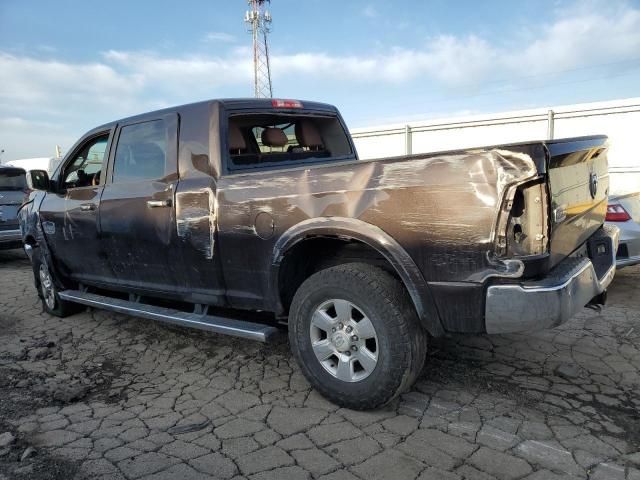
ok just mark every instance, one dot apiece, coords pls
pixel 38 180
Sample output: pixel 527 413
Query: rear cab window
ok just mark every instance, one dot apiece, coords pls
pixel 12 179
pixel 271 140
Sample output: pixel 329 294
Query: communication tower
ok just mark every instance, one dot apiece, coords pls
pixel 259 20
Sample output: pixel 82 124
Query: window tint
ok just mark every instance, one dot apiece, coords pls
pixel 261 140
pixel 86 167
pixel 140 154
pixel 12 179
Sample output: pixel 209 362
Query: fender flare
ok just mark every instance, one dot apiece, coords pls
pixel 374 237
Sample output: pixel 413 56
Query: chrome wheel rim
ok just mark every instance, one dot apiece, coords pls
pixel 344 340
pixel 46 287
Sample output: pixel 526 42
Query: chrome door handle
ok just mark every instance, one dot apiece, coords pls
pixel 159 203
pixel 87 207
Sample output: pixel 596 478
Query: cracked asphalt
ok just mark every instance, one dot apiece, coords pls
pixel 102 395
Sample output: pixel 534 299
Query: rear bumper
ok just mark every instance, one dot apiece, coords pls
pixel 10 238
pixel 629 248
pixel 547 303
pixel 627 261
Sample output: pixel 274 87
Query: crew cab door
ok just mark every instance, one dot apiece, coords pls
pixel 69 215
pixel 137 208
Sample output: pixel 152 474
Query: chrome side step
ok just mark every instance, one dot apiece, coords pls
pixel 223 325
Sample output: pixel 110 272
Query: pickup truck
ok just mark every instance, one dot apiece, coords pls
pixel 243 216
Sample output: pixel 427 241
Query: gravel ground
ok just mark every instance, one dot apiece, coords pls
pixel 102 395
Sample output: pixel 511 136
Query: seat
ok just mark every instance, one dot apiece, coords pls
pixel 274 137
pixel 308 135
pixel 237 143
pixel 238 147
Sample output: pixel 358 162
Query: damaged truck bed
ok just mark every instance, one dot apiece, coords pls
pixel 263 206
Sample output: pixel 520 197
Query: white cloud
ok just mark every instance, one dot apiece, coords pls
pixel 125 82
pixel 582 39
pixel 220 37
pixel 30 82
pixel 370 11
pixel 189 75
pixel 21 138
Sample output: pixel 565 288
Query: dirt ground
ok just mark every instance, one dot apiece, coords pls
pixel 102 395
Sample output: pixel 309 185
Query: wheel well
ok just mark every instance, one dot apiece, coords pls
pixel 317 253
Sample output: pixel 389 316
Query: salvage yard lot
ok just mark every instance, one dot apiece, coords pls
pixel 105 395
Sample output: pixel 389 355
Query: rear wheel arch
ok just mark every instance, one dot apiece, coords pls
pixel 295 247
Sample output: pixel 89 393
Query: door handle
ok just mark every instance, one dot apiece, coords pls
pixel 87 207
pixel 159 203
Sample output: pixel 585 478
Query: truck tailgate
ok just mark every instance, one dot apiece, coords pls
pixel 578 188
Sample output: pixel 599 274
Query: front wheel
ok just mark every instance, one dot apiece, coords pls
pixel 48 291
pixel 356 336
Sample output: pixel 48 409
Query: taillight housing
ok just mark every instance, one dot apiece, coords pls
pixel 617 213
pixel 523 223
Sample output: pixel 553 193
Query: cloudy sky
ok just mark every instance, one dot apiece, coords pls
pixel 67 66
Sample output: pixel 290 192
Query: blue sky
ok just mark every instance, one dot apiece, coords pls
pixel 67 66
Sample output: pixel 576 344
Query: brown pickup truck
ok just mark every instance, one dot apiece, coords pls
pixel 242 216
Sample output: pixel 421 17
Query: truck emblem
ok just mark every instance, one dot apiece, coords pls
pixel 593 184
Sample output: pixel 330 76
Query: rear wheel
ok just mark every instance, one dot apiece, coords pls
pixel 356 336
pixel 48 291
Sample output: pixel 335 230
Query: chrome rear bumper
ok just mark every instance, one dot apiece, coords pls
pixel 549 302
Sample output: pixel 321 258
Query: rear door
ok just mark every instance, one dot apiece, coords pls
pixel 137 217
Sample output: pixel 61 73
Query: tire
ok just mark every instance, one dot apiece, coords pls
pixel 47 288
pixel 358 296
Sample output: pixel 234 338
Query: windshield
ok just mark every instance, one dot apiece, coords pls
pixel 13 180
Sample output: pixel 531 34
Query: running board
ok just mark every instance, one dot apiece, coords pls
pixel 210 323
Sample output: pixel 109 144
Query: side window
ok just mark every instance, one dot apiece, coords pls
pixel 140 153
pixel 87 166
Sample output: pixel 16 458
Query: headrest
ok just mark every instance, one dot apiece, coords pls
pixel 274 137
pixel 307 134
pixel 236 140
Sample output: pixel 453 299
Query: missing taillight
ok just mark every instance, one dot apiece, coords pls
pixel 518 204
pixel 525 232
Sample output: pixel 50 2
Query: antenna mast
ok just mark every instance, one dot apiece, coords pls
pixel 259 20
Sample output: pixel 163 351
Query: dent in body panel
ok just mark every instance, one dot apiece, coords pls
pixel 442 209
pixel 196 214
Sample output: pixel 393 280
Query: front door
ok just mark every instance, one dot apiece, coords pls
pixel 137 208
pixel 70 215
